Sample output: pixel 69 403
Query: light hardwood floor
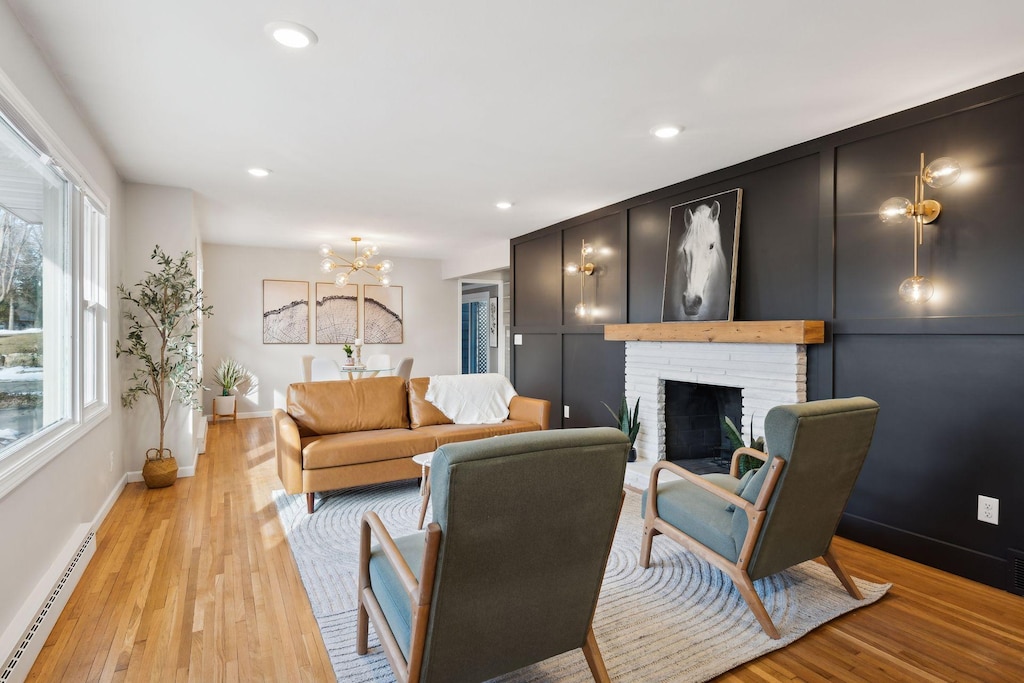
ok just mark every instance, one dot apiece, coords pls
pixel 196 582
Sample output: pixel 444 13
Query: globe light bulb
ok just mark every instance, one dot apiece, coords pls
pixel 373 249
pixel 588 249
pixel 327 265
pixel 916 289
pixel 572 268
pixel 324 249
pixel 941 172
pixel 385 281
pixel 360 262
pixel 385 266
pixel 341 279
pixel 896 210
pixel 580 310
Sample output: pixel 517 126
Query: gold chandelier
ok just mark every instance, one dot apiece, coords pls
pixel 360 263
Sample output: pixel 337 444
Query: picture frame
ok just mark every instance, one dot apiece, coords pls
pixel 701 256
pixel 285 312
pixel 383 317
pixel 337 313
pixel 492 312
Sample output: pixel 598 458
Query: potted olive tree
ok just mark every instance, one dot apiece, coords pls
pixel 162 311
pixel 228 376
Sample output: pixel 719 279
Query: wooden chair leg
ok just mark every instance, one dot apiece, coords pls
pixel 594 659
pixel 425 489
pixel 844 578
pixel 746 587
pixel 362 628
pixel 309 503
pixel 646 541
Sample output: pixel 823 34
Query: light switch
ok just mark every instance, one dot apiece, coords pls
pixel 565 412
pixel 517 339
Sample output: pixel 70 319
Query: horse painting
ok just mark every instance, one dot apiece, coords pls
pixel 699 267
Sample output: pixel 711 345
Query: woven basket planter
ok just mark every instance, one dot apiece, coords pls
pixel 159 472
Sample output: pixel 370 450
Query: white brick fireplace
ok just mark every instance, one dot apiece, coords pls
pixel 767 374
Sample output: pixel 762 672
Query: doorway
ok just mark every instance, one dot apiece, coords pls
pixel 480 327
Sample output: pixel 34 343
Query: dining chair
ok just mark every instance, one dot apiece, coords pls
pixel 378 361
pixel 404 369
pixel 307 368
pixel 325 370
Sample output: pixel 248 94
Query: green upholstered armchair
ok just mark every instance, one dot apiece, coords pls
pixel 509 571
pixel 777 516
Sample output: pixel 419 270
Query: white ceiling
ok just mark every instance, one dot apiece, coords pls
pixel 410 119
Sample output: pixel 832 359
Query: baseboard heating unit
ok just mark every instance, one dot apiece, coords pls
pixel 17 666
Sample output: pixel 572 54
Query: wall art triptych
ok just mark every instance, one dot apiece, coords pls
pixel 286 313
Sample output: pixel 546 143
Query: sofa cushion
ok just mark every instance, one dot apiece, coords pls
pixel 421 411
pixel 353 448
pixel 453 433
pixel 320 408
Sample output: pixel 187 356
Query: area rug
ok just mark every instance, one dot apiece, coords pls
pixel 681 620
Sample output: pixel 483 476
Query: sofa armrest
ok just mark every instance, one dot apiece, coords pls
pixel 288 447
pixel 535 410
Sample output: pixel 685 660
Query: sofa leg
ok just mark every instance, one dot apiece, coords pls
pixel 309 503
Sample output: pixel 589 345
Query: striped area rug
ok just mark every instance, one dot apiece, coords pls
pixel 681 620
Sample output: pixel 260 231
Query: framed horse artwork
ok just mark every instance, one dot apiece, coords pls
pixel 700 266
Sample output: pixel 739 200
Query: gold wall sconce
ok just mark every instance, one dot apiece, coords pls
pixel 896 210
pixel 583 269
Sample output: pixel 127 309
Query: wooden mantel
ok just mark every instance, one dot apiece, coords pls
pixel 736 331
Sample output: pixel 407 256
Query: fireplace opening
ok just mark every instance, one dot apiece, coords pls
pixel 693 420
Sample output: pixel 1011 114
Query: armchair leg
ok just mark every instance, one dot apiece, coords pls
pixel 594 659
pixel 844 577
pixel 362 628
pixel 309 503
pixel 646 541
pixel 746 587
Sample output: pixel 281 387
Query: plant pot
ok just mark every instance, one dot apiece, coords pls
pixel 632 455
pixel 159 472
pixel 224 405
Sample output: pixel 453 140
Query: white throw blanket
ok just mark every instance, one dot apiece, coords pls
pixel 471 399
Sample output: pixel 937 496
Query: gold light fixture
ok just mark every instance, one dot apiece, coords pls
pixel 583 269
pixel 896 210
pixel 360 263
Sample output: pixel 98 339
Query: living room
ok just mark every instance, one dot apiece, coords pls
pixel 811 245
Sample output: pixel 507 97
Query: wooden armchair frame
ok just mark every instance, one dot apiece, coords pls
pixel 420 594
pixel 756 513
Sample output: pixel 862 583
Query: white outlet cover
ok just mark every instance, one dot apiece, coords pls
pixel 988 510
pixel 565 412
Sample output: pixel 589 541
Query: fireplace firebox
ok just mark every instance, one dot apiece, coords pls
pixel 693 419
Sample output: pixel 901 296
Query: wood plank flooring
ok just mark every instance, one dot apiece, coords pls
pixel 196 583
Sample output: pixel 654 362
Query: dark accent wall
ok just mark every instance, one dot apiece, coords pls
pixel 948 374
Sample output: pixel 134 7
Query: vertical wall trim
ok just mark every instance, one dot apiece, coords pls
pixel 825 355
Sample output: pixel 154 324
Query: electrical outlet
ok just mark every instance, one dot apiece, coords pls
pixel 988 509
pixel 565 412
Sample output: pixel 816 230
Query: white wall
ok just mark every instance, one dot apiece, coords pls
pixel 47 511
pixel 234 286
pixel 164 216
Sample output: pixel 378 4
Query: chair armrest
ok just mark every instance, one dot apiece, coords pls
pixel 696 480
pixel 535 410
pixel 288 448
pixel 734 468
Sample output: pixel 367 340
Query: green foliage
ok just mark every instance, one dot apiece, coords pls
pixel 347 348
pixel 162 311
pixel 628 422
pixel 229 374
pixel 747 462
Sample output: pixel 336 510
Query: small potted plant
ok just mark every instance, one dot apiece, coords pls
pixel 228 375
pixel 747 462
pixel 628 422
pixel 347 348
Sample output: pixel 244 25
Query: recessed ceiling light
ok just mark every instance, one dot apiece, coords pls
pixel 504 205
pixel 291 34
pixel 666 132
pixel 259 172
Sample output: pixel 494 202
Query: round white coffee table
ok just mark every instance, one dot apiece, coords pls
pixel 423 460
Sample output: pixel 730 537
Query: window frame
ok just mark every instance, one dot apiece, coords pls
pixel 28 456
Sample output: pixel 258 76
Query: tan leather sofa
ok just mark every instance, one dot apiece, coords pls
pixel 333 435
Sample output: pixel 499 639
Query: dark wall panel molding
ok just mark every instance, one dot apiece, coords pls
pixel 948 374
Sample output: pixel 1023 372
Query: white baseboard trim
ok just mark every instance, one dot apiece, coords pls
pixel 247 416
pixel 136 476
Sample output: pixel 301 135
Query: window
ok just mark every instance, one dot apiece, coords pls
pixel 53 342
